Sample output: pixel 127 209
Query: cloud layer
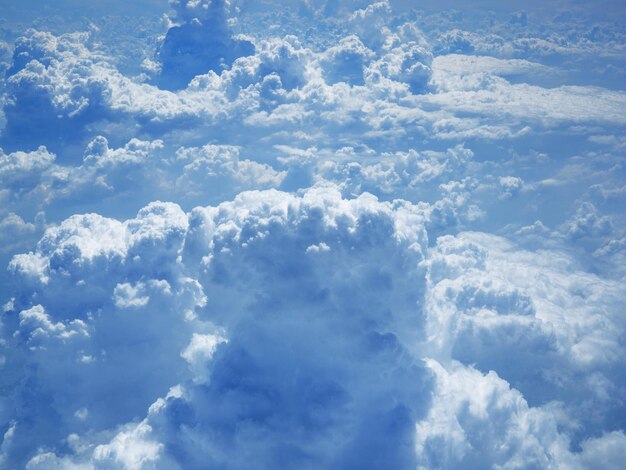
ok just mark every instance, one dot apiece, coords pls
pixel 312 235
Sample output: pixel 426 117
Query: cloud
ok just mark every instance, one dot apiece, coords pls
pixel 398 173
pixel 221 169
pixel 511 433
pixel 62 87
pixel 455 71
pixel 510 186
pixel 246 268
pixel 21 171
pixel 478 420
pixel 127 290
pixel 199 41
pixel 140 170
pixel 52 76
pixel 346 61
pixel 17 234
pixel 465 88
pixel 370 23
pixel 407 63
pixel 587 222
pixel 281 311
pixel 394 238
pixel 541 323
pixel 286 86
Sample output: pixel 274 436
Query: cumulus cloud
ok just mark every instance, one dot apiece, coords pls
pixel 220 169
pixel 401 174
pixel 200 40
pixel 262 296
pixel 16 233
pixel 587 222
pixel 388 238
pixel 478 420
pixel 510 186
pixel 61 86
pixel 346 61
pixel 125 283
pixel 241 267
pixel 370 23
pixel 407 63
pixel 284 85
pixel 561 333
pixel 21 171
pixel 107 177
pixel 471 85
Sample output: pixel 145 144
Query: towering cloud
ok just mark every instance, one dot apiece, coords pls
pixel 200 40
pixel 288 311
pixel 312 235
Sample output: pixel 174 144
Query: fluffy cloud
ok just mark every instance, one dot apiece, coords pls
pixel 475 86
pixel 282 313
pixel 339 296
pixel 408 63
pixel 16 233
pixel 285 85
pixel 241 267
pixel 346 61
pixel 202 41
pixel 396 174
pixel 558 339
pixel 126 288
pixel 587 222
pixel 220 169
pixel 510 186
pixel 370 23
pixel 21 172
pixel 479 421
pixel 61 87
pixel 107 177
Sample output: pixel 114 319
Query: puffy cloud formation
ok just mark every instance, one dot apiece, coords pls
pixel 221 169
pixel 316 235
pixel 370 23
pixel 557 341
pixel 281 328
pixel 200 43
pixel 75 345
pixel 263 353
pixel 64 88
pixel 346 61
pixel 143 169
pixel 479 421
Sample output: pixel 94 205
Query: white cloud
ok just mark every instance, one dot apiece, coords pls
pixel 132 449
pixel 342 321
pixel 35 325
pixel 370 23
pixel 199 41
pixel 535 318
pixel 473 85
pixel 477 420
pixel 510 186
pixel 253 278
pixel 459 72
pixel 346 61
pixel 587 222
pixel 16 233
pixel 220 169
pixel 199 352
pixel 109 177
pixel 327 292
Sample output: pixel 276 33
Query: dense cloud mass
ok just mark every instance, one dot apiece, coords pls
pixel 312 234
pixel 202 42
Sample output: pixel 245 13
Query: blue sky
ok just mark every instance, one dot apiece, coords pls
pixel 311 234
